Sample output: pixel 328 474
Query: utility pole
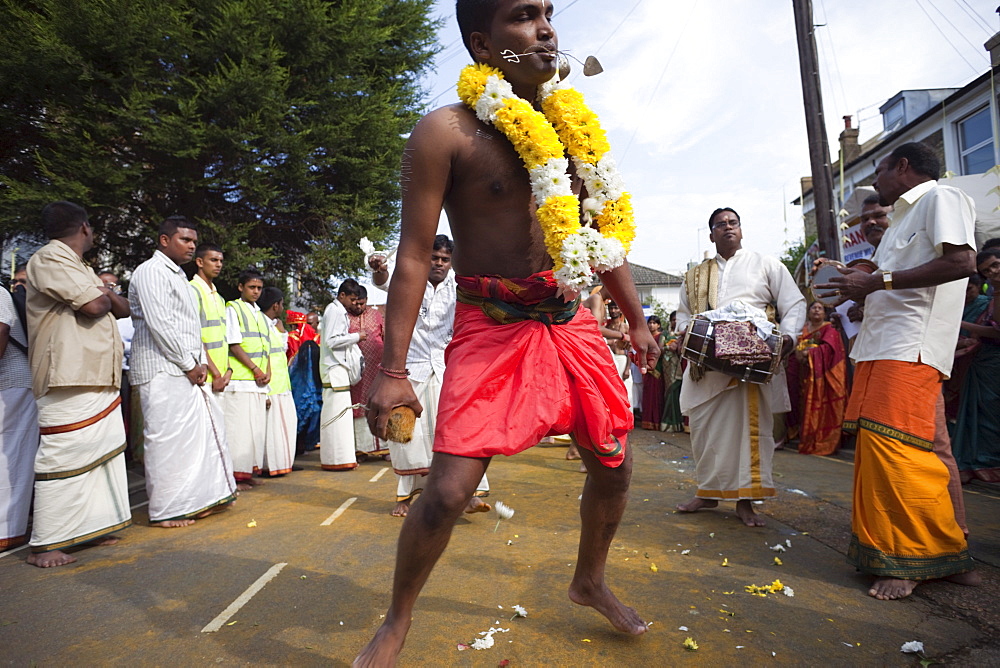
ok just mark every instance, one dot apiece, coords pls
pixel 819 146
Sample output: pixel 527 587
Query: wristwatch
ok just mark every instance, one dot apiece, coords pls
pixel 887 280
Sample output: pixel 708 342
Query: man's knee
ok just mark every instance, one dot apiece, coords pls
pixel 612 481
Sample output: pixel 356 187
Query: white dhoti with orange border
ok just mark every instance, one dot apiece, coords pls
pixel 81 492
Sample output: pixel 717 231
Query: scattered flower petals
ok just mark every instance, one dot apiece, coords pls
pixel 848 644
pixel 777 561
pixel 251 524
pixel 237 621
pixel 725 561
pixel 503 511
pixel 788 591
pixel 711 535
pixel 690 644
pixel 682 628
pixel 788 542
pixel 462 647
pixel 685 551
pixel 519 612
pixel 585 640
pixel 912 647
pixel 778 548
pixel 504 663
pixel 653 568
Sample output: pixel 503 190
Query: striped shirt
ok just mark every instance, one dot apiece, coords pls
pixel 433 330
pixel 14 368
pixel 167 327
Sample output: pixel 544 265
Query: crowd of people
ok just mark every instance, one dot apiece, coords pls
pixel 206 397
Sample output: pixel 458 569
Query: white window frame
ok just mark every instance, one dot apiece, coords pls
pixel 963 152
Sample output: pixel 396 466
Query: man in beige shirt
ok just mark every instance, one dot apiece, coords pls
pixel 81 493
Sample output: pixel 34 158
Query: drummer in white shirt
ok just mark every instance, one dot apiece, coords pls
pixel 731 421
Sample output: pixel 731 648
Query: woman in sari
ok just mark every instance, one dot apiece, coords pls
pixel 653 389
pixel 821 365
pixel 975 439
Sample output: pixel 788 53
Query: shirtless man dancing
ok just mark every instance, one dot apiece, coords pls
pixel 515 332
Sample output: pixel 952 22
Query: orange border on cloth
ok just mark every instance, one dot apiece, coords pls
pixel 74 426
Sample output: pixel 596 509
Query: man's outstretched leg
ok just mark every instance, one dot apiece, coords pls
pixel 424 535
pixel 605 494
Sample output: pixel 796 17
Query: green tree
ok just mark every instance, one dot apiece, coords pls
pixel 277 124
pixel 795 252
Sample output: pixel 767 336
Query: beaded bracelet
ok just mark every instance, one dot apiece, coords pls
pixel 401 374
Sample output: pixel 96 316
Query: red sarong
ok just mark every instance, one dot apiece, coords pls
pixel 507 386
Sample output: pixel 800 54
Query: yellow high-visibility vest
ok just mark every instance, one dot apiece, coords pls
pixel 280 382
pixel 212 311
pixel 256 342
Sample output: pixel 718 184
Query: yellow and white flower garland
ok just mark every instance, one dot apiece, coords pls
pixel 542 140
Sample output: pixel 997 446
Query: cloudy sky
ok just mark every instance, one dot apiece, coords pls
pixel 703 104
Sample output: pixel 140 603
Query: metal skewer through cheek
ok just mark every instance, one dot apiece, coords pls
pixel 591 66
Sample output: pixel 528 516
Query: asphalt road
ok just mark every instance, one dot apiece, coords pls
pixel 298 573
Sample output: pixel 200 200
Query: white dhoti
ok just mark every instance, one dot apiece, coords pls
pixel 365 441
pixel 621 363
pixel 81 492
pixel 733 443
pixel 412 461
pixel 188 467
pixel 279 441
pixel 246 429
pixel 336 439
pixel 18 446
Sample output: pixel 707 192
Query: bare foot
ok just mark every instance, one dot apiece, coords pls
pixel 212 511
pixel 891 589
pixel 172 524
pixel 105 540
pixel 384 648
pixel 402 507
pixel 744 510
pixel 243 486
pixel 697 504
pixel 50 559
pixel 477 505
pixel 600 598
pixel 969 579
pixel 572 452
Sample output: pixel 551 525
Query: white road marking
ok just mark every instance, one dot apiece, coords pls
pixel 378 475
pixel 251 591
pixel 16 549
pixel 339 511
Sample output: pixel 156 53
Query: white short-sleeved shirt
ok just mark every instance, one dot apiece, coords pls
pixel 15 370
pixel 918 323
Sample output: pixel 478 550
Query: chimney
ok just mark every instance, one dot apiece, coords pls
pixel 849 147
pixel 993 46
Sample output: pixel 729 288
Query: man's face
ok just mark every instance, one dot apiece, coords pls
pixel 990 270
pixel 250 291
pixel 440 264
pixel 613 311
pixel 179 247
pixel 312 319
pixel 874 222
pixel 210 264
pixel 726 230
pixel 358 307
pixel 20 278
pixel 888 180
pixel 524 26
pixel 347 300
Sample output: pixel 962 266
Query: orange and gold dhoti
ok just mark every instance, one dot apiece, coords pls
pixel 903 524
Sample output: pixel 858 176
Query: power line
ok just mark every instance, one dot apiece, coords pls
pixel 961 33
pixel 950 43
pixel 663 71
pixel 975 17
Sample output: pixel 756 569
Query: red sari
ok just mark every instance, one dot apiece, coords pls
pixel 823 381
